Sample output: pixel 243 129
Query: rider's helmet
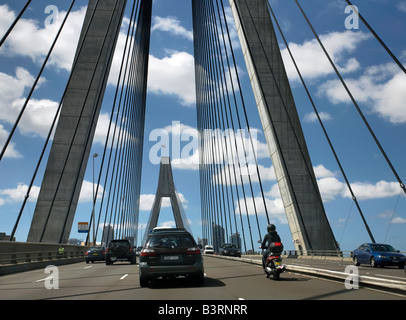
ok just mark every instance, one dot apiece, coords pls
pixel 271 227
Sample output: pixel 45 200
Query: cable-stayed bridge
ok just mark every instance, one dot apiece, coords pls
pixel 232 194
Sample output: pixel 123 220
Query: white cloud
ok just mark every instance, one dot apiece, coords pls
pixel 86 193
pixel 312 61
pixel 17 195
pixel 401 6
pixel 173 76
pixel 32 39
pixel 274 207
pixel 147 201
pixel 11 151
pixel 171 25
pixel 312 117
pixel 380 87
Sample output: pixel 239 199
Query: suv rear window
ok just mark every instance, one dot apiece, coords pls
pixel 170 241
pixel 119 244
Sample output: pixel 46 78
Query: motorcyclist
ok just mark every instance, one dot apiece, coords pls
pixel 271 237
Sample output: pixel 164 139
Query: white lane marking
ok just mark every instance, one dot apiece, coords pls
pixel 89 267
pixel 47 278
pixel 124 276
pixel 383 275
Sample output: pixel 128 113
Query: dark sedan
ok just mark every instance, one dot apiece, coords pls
pixel 170 253
pixel 95 254
pixel 230 249
pixel 378 254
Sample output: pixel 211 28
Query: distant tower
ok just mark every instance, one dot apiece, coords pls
pixel 166 188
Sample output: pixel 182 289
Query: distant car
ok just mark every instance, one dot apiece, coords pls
pixel 95 254
pixel 120 250
pixel 230 249
pixel 208 250
pixel 170 253
pixel 378 254
pixel 138 251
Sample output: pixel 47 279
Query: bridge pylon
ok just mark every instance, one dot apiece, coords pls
pixel 62 182
pixel 286 143
pixel 166 188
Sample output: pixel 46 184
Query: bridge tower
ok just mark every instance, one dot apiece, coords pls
pixel 166 188
pixel 62 182
pixel 286 143
pixel 56 205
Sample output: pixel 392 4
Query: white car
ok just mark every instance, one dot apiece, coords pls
pixel 208 250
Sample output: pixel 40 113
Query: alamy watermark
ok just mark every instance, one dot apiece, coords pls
pixel 53 13
pixel 352 280
pixel 52 281
pixel 352 21
pixel 183 144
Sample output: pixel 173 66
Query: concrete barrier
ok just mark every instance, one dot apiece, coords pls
pixel 24 256
pixel 374 282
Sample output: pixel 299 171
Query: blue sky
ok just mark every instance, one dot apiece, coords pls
pixel 376 82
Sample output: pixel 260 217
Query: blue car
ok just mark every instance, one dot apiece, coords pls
pixel 378 254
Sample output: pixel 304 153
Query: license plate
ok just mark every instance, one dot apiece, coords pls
pixel 171 258
pixel 277 263
pixel 95 254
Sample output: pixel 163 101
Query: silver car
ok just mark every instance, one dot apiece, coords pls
pixel 170 253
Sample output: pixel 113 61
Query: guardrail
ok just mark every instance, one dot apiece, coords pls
pixel 311 253
pixel 396 286
pixel 23 256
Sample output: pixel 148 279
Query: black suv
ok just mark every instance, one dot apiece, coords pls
pixel 170 253
pixel 120 250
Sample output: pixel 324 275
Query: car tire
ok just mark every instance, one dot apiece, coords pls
pixel 372 262
pixel 355 261
pixel 198 278
pixel 401 266
pixel 144 282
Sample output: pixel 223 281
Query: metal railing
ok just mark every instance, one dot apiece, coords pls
pixel 36 256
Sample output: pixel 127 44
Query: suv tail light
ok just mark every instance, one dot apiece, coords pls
pixel 194 250
pixel 147 253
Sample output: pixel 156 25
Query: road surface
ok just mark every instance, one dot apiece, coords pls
pixel 224 280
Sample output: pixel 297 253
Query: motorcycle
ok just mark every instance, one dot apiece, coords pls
pixel 273 262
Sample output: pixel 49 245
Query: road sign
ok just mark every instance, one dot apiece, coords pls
pixel 83 227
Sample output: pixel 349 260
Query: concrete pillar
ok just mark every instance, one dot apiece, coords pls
pixel 166 188
pixel 296 180
pixel 61 185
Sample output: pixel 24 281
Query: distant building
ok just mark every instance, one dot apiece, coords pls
pixel 235 238
pixel 108 234
pixel 75 241
pixel 4 237
pixel 202 242
pixel 218 236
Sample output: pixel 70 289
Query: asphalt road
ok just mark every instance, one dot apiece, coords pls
pixel 224 280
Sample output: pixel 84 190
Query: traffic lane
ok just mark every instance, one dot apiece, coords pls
pixel 391 272
pixel 96 282
pixel 247 281
pixel 76 281
pixel 225 280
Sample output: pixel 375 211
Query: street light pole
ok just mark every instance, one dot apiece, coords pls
pixel 94 202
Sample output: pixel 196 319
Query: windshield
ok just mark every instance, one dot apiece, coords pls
pixel 119 244
pixel 170 241
pixel 230 246
pixel 382 248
